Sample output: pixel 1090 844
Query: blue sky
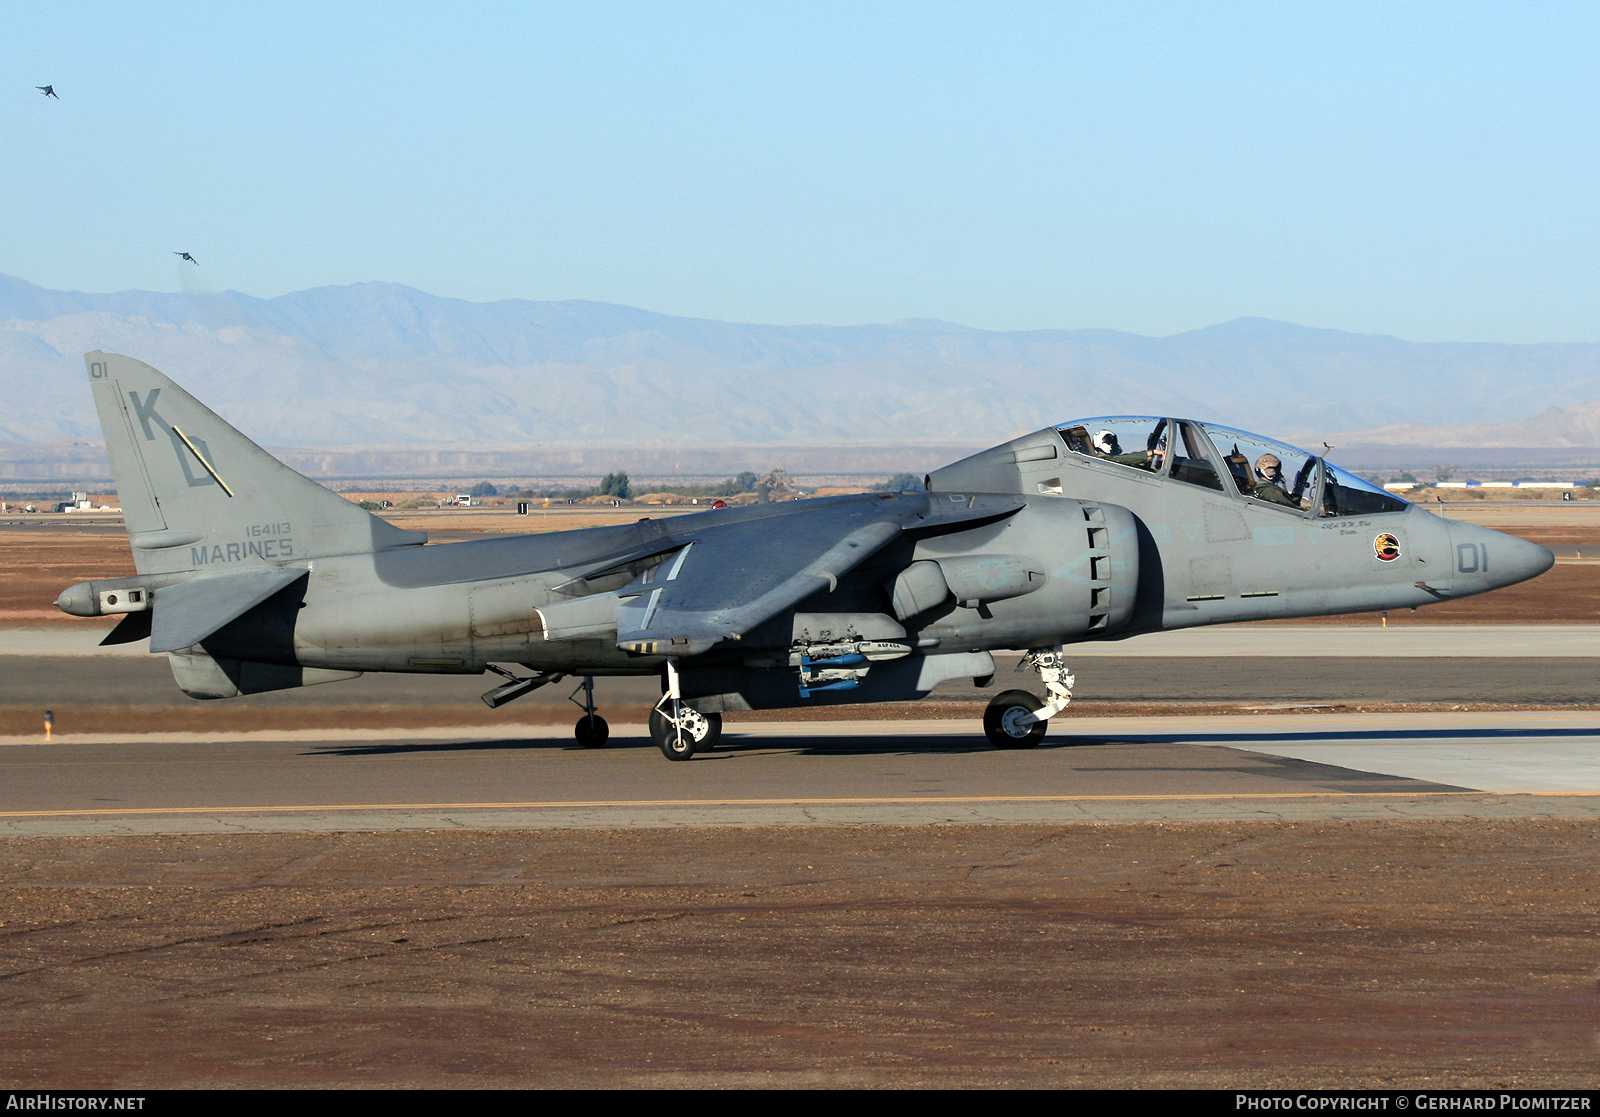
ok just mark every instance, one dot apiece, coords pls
pixel 1425 170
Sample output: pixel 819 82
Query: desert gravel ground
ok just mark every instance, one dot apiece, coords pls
pixel 1223 955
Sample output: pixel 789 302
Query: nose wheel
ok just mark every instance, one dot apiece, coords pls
pixel 1009 721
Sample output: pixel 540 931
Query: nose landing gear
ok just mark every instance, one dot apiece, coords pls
pixel 1017 719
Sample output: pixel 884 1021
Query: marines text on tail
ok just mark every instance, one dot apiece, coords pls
pixel 252 578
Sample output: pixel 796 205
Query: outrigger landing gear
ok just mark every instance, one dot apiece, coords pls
pixel 1017 719
pixel 680 730
pixel 591 731
pixel 516 686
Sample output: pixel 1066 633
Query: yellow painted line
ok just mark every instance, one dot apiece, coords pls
pixel 598 804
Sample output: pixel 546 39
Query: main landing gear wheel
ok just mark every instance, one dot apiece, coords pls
pixel 693 732
pixel 592 731
pixel 1009 722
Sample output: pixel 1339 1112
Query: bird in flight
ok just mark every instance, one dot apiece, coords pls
pixel 47 90
pixel 188 257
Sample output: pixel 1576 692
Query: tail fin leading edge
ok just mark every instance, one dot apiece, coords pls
pixel 197 494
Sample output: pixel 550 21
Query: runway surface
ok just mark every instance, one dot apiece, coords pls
pixel 859 773
pixel 416 751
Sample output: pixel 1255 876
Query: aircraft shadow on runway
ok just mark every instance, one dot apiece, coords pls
pixel 747 744
pixel 508 744
pixel 824 745
pixel 750 746
pixel 1204 764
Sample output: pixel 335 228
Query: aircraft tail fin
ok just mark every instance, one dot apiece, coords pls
pixel 197 494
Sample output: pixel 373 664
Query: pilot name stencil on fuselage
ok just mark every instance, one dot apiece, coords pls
pixel 278 548
pixel 1273 535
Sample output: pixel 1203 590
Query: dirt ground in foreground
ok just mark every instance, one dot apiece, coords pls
pixel 1223 955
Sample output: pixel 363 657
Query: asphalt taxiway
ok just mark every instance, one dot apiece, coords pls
pixel 409 757
pixel 1526 765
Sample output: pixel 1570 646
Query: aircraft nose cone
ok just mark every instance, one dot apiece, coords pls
pixel 1486 560
pixel 1527 560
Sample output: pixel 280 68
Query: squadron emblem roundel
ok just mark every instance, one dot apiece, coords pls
pixel 1387 547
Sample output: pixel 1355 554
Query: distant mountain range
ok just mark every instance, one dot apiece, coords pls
pixel 1577 426
pixel 377 364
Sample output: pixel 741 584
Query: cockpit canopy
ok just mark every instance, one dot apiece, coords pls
pixel 1262 470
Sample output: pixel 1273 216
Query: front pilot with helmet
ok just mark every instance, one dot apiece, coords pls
pixel 1269 483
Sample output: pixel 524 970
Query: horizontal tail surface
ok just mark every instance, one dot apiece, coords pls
pixel 188 612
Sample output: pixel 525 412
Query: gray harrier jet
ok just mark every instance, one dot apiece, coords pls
pixel 253 578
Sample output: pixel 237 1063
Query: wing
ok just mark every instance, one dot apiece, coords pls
pixel 727 578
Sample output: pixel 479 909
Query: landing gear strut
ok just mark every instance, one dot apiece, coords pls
pixel 1017 719
pixel 591 731
pixel 1051 665
pixel 678 729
